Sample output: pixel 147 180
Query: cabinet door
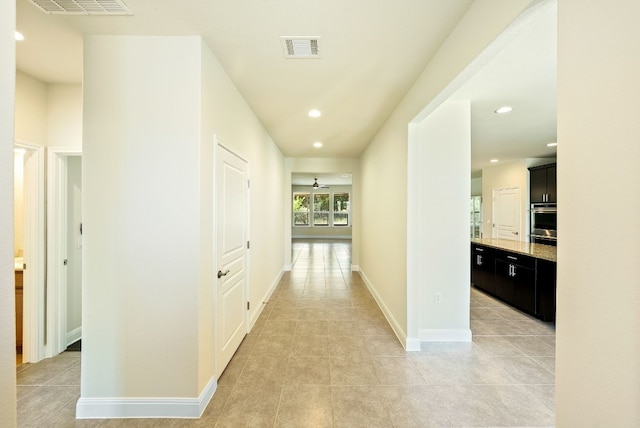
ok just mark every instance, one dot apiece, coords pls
pixel 483 272
pixel 482 268
pixel 551 184
pixel 504 280
pixel 524 288
pixel 538 185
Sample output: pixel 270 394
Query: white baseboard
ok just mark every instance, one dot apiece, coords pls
pixel 412 344
pixel 322 237
pixel 445 335
pixel 395 326
pixel 256 314
pixel 287 268
pixel 116 408
pixel 355 268
pixel 74 335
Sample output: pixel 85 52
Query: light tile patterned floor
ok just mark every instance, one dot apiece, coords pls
pixel 323 355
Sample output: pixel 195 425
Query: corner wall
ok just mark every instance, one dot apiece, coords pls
pixel 152 106
pixel 7 287
pixel 141 219
pixel 438 298
pixel 383 241
pixel 598 292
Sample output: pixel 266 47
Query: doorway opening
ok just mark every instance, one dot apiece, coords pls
pixel 64 249
pixel 29 266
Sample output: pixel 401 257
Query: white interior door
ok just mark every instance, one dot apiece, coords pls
pixel 506 213
pixel 231 232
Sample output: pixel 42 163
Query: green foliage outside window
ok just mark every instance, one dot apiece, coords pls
pixel 301 209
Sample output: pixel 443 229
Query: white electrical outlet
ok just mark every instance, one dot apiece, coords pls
pixel 437 298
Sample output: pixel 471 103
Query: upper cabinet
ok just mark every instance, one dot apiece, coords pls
pixel 542 181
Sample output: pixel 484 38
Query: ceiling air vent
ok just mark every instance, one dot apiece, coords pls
pixel 83 7
pixel 300 47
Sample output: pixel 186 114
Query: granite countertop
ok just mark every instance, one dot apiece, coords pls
pixel 539 251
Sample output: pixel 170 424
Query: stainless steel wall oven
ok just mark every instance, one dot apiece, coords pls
pixel 544 229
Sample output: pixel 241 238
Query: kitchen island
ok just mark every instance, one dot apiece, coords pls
pixel 521 274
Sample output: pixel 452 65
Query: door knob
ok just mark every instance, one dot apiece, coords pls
pixel 221 274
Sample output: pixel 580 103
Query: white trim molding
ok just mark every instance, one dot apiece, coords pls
pixel 256 314
pixel 395 325
pixel 355 268
pixel 116 408
pixel 445 335
pixel 344 237
pixel 412 344
pixel 74 335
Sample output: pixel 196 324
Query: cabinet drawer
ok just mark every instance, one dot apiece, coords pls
pixel 479 249
pixel 518 259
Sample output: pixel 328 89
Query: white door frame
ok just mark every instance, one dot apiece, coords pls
pixel 219 145
pixel 57 247
pixel 33 342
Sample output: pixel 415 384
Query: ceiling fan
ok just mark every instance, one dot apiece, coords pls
pixel 315 185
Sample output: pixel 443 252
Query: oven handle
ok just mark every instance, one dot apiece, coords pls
pixel 544 210
pixel 548 238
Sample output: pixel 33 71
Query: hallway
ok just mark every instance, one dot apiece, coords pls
pixel 323 355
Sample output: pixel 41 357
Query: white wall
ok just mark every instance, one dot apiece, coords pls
pixel 48 114
pixel 30 110
pixel 384 163
pixel 64 115
pixel 598 309
pixel 7 290
pixel 226 113
pixel 18 203
pixel 437 276
pixel 150 111
pixel 141 133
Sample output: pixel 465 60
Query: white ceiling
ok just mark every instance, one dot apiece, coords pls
pixel 371 53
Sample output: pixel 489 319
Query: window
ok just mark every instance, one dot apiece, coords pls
pixel 321 209
pixel 341 209
pixel 301 209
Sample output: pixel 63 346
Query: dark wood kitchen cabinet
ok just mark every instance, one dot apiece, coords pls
pixel 542 184
pixel 516 280
pixel 525 282
pixel 483 268
pixel 546 290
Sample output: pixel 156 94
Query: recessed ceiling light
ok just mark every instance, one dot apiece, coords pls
pixel 504 109
pixel 552 144
pixel 317 144
pixel 314 113
pixel 494 160
pixel 19 36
